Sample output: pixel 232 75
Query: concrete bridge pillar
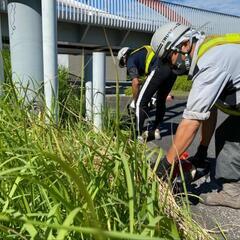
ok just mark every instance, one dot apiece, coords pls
pixel 49 33
pixel 88 78
pixel 99 76
pixel 25 34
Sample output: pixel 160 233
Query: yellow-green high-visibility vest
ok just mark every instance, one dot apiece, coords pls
pixel 149 57
pixel 230 38
pixel 233 38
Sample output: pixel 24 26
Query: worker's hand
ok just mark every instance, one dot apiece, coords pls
pixel 169 97
pixel 163 168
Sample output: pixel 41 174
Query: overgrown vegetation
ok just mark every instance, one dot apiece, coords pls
pixel 71 182
pixel 70 104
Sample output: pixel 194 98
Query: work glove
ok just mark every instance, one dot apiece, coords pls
pixel 199 160
pixel 132 104
pixel 163 168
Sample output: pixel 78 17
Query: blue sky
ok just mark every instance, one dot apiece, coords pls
pixel 223 6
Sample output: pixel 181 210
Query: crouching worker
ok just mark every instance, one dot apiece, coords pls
pixel 158 78
pixel 214 67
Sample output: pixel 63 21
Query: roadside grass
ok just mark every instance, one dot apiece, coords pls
pixel 179 94
pixel 68 181
pixel 180 88
pixel 54 178
pixel 182 84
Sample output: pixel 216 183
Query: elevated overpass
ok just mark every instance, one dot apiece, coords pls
pixel 126 22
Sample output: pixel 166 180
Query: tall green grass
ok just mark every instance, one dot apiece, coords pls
pixel 69 182
pixel 55 178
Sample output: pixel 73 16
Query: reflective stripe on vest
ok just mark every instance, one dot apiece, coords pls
pixel 231 38
pixel 228 110
pixel 149 57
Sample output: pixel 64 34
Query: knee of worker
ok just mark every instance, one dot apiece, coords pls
pixel 161 96
pixel 143 104
pixel 228 131
pixel 228 162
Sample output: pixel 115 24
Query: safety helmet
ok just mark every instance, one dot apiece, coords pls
pixel 122 55
pixel 166 36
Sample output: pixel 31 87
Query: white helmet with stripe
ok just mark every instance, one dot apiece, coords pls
pixel 122 54
pixel 166 36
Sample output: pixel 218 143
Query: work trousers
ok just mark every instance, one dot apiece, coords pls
pixel 227 140
pixel 155 83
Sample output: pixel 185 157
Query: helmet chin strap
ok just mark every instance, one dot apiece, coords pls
pixel 181 66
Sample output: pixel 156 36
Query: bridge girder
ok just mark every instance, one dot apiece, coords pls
pixel 73 37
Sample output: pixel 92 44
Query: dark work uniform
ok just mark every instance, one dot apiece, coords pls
pixel 159 79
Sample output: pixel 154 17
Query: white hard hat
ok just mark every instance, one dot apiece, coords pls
pixel 121 55
pixel 166 36
pixel 122 52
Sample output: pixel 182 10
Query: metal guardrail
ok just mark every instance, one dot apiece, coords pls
pixel 141 15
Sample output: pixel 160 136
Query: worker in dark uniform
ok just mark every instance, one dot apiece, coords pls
pixel 158 78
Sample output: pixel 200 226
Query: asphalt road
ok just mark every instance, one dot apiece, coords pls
pixel 210 217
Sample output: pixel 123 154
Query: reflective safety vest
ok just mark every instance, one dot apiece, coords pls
pixel 231 38
pixel 149 57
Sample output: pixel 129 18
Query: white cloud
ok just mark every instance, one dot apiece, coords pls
pixel 227 6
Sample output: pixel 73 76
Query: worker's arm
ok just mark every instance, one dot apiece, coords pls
pixel 135 88
pixel 185 134
pixel 133 72
pixel 207 86
pixel 208 128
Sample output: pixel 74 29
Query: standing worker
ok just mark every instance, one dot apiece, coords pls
pixel 214 67
pixel 158 79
